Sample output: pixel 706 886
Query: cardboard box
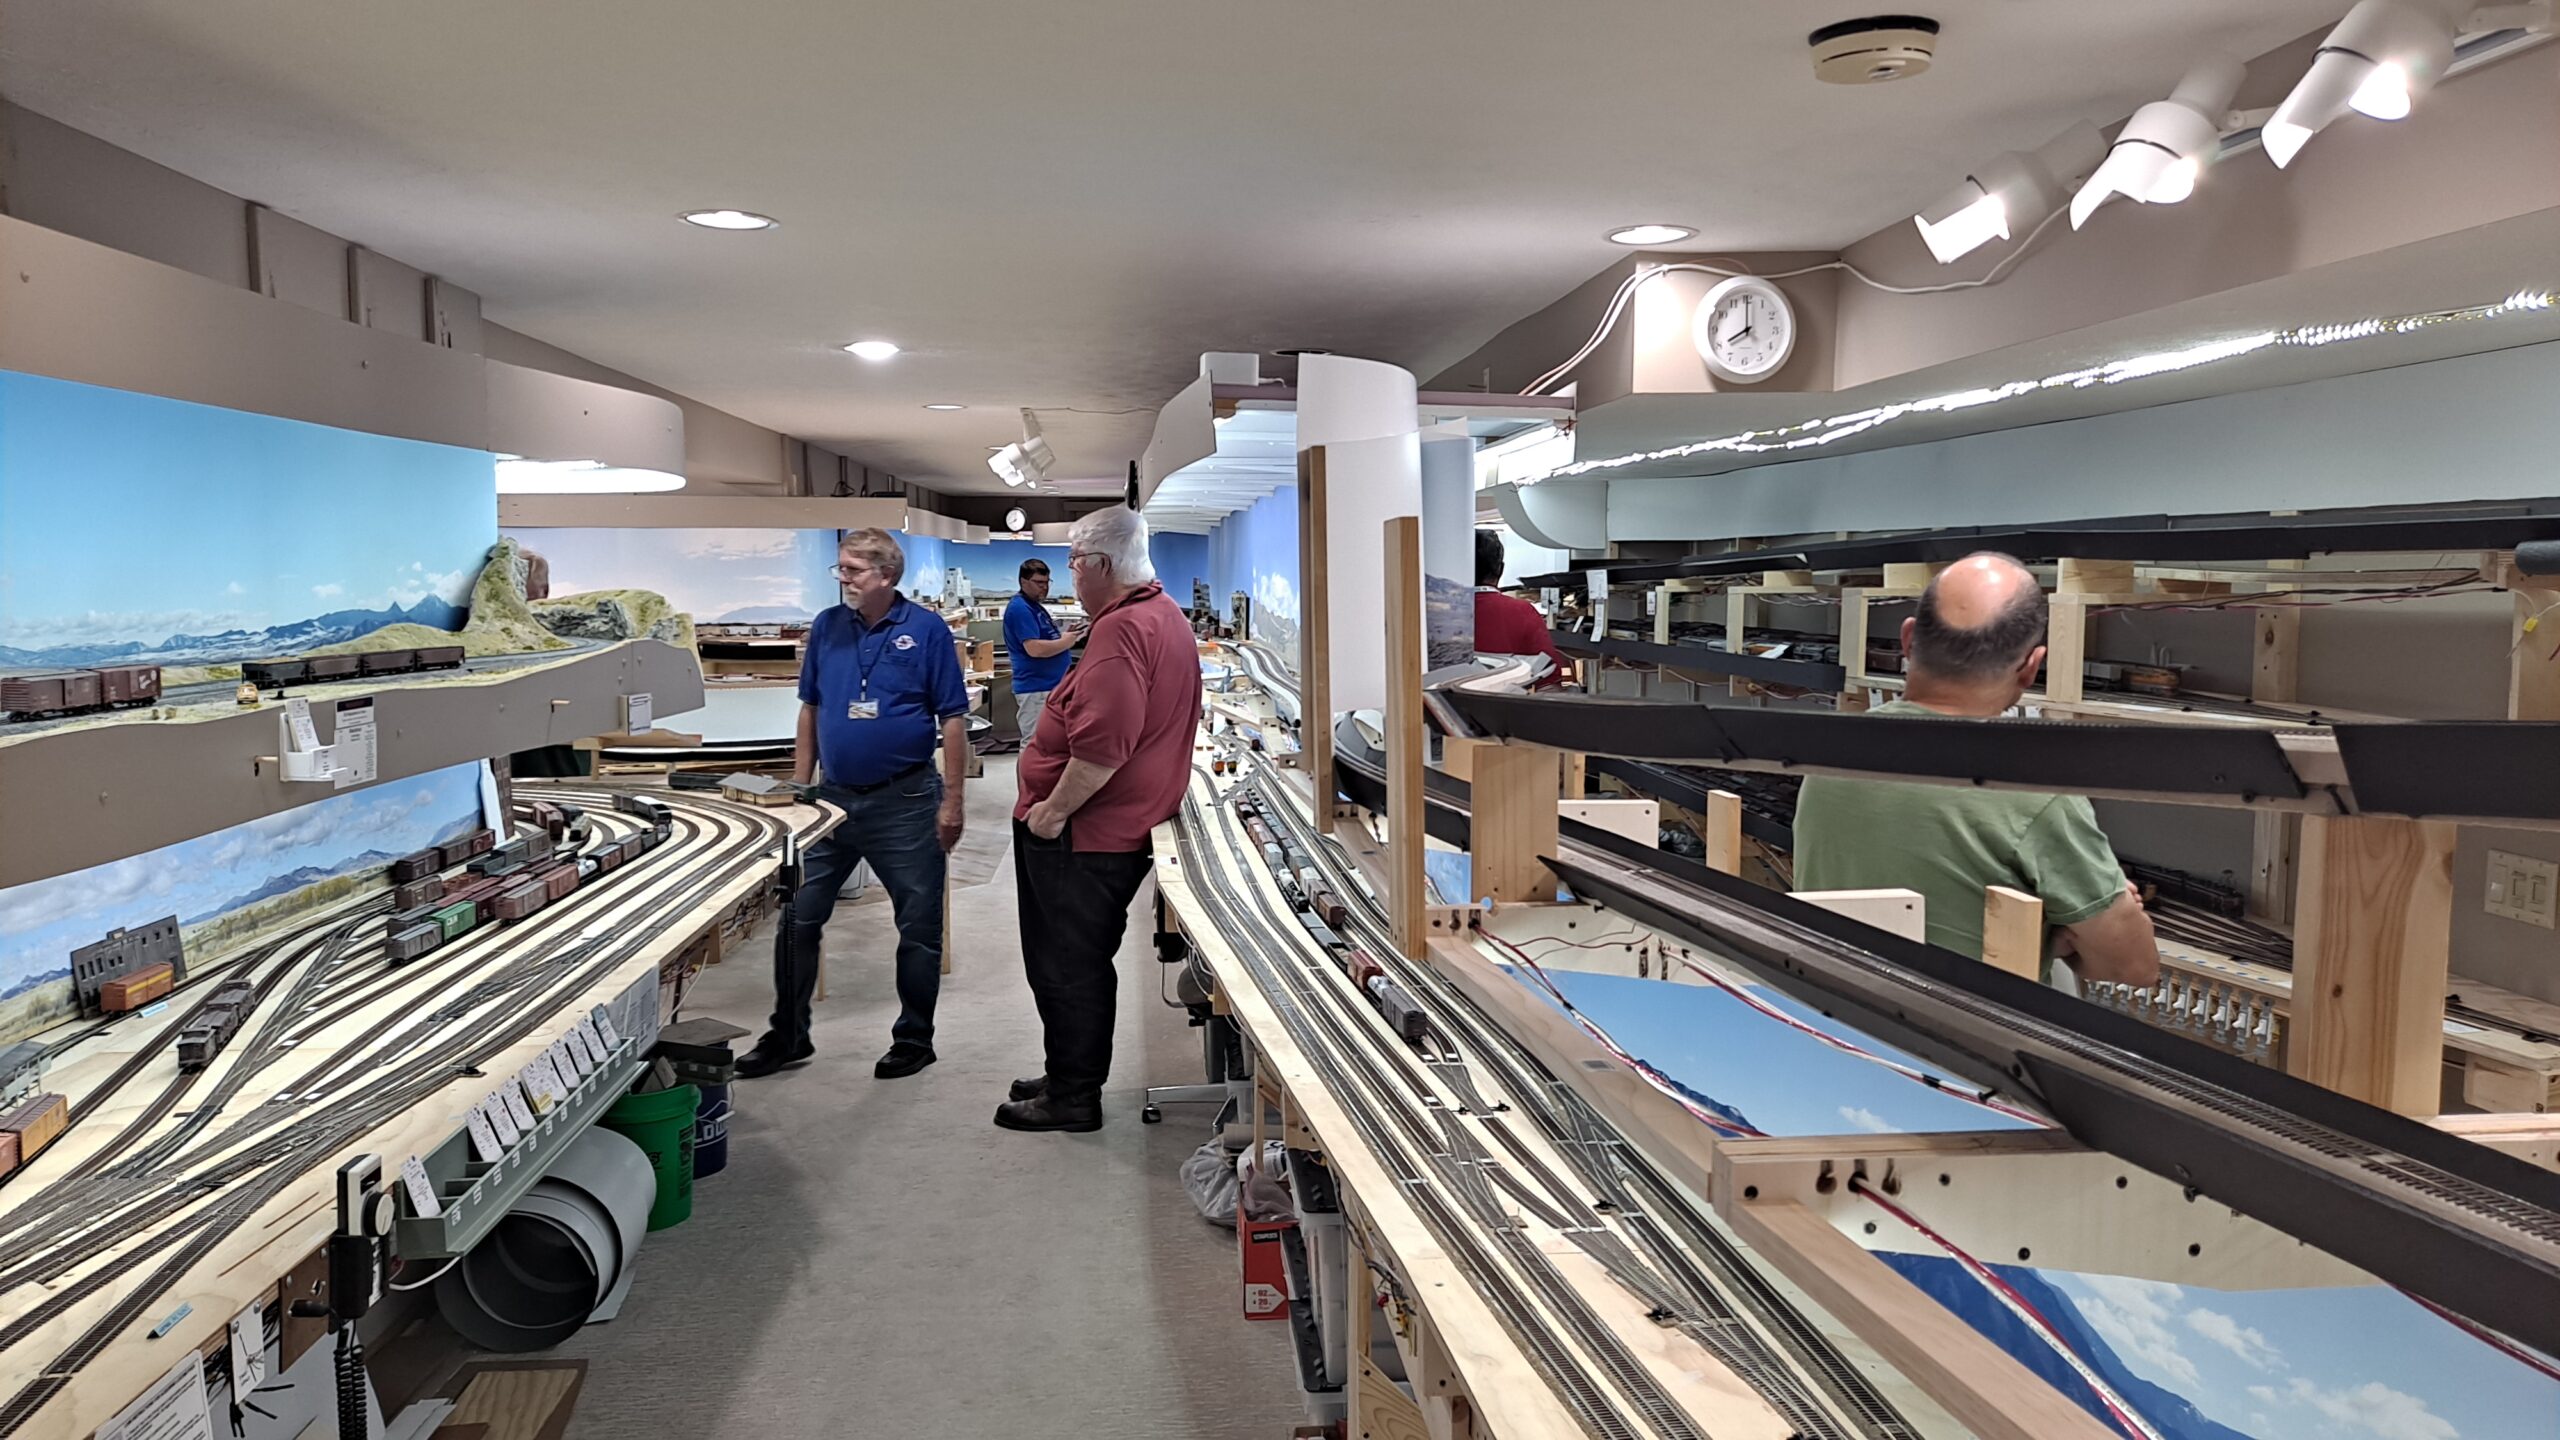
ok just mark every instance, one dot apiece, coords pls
pixel 1266 1275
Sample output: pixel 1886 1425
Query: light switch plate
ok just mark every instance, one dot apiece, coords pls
pixel 2522 888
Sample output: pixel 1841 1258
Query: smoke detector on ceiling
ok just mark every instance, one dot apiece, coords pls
pixel 1874 49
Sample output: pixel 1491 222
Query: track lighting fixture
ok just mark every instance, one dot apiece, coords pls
pixel 2167 143
pixel 2015 192
pixel 2382 56
pixel 1027 462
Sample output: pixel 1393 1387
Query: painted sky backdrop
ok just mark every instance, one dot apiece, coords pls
pixel 130 518
pixel 716 576
pixel 2360 1363
pixel 195 879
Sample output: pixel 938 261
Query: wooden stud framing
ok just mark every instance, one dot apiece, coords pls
pixel 2275 675
pixel 1315 633
pixel 2066 643
pixel 1458 756
pixel 1514 822
pixel 1723 836
pixel 2013 931
pixel 2372 935
pixel 1407 897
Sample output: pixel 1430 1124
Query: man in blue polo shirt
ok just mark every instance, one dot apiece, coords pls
pixel 880 692
pixel 1041 653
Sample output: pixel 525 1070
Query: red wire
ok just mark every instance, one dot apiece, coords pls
pixel 1659 1080
pixel 2490 1338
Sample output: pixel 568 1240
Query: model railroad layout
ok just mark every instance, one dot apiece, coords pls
pixel 313 669
pixel 115 1214
pixel 43 694
pixel 1492 1153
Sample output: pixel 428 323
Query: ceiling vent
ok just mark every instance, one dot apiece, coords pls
pixel 1874 49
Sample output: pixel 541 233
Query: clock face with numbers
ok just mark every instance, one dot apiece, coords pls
pixel 1744 330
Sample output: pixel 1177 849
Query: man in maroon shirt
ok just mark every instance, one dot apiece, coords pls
pixel 1110 760
pixel 1508 625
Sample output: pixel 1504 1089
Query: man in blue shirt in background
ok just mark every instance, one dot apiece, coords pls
pixel 1041 653
pixel 880 692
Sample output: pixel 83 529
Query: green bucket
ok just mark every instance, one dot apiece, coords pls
pixel 661 1124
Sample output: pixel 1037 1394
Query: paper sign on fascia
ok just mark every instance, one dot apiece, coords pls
pixel 297 719
pixel 635 714
pixel 352 751
pixel 174 1408
pixel 1598 580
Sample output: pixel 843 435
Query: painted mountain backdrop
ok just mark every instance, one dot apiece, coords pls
pixel 236 644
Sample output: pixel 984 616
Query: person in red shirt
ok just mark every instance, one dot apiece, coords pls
pixel 1110 761
pixel 1506 624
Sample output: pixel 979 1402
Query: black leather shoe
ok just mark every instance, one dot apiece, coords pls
pixel 1029 1087
pixel 1046 1111
pixel 904 1058
pixel 770 1058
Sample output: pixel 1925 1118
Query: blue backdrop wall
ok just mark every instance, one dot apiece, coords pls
pixel 1256 550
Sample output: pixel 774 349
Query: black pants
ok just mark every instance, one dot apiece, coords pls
pixel 1074 909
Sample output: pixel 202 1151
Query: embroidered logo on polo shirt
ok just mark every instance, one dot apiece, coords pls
pixel 905 642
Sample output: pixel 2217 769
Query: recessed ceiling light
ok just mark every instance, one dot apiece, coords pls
pixel 1650 234
pixel 872 349
pixel 729 220
pixel 946 407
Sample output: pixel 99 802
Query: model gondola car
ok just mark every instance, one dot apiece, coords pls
pixel 38 694
pixel 305 669
pixel 122 952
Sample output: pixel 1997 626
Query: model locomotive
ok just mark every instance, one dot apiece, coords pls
pixel 43 694
pixel 312 669
pixel 214 1025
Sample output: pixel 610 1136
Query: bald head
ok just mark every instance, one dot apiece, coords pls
pixel 1979 620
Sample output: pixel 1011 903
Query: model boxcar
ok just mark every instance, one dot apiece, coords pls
pixel 457 918
pixel 136 988
pixel 522 900
pixel 35 1124
pixel 463 847
pixel 410 942
pixel 425 890
pixel 562 880
pixel 39 693
pixel 416 867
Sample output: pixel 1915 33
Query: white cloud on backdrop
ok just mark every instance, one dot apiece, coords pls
pixel 2133 1316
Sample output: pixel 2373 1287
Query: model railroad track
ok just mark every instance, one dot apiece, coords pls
pixel 260 1154
pixel 1691 1269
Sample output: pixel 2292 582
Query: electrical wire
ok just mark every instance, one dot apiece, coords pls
pixel 1627 288
pixel 2491 1338
pixel 1727 1125
pixel 426 1280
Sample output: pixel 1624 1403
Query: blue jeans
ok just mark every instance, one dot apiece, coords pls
pixel 893 827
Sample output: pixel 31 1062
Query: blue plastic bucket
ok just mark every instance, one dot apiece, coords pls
pixel 711 1132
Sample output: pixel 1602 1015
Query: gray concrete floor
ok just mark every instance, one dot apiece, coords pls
pixel 880 1260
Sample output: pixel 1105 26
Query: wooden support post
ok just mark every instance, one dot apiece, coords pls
pixel 2013 931
pixel 1514 823
pixel 1458 756
pixel 2066 648
pixel 1662 613
pixel 2275 674
pixel 1853 649
pixel 2372 934
pixel 1737 610
pixel 1407 899
pixel 2094 577
pixel 1724 832
pixel 1574 777
pixel 1315 633
pixel 1910 575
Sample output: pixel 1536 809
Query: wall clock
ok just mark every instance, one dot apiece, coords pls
pixel 1745 329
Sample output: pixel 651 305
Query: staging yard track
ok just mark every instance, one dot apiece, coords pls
pixel 80 1236
pixel 1425 1117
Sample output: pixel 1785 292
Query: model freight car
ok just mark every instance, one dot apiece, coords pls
pixel 214 1025
pixel 38 694
pixel 417 866
pixel 122 952
pixel 137 988
pixel 425 890
pixel 409 942
pixel 35 1124
pixel 462 847
pixel 522 899
pixel 457 918
pixel 309 669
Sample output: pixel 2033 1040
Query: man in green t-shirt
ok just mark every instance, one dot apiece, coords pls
pixel 1972 650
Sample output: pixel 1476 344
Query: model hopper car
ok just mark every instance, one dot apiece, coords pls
pixel 316 669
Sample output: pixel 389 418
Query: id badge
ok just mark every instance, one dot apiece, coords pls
pixel 862 710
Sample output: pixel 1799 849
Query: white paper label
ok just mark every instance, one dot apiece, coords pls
pixel 297 719
pixel 1598 581
pixel 502 1120
pixel 537 1090
pixel 596 1045
pixel 248 1351
pixel 603 1019
pixel 517 1110
pixel 351 752
pixel 422 1191
pixel 174 1408
pixel 579 1054
pixel 484 1136
pixel 635 714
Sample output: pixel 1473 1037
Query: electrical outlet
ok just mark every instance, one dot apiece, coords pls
pixel 2522 888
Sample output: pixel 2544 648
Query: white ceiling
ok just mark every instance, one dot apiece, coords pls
pixel 1062 204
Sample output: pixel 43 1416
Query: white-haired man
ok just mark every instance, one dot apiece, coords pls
pixel 880 692
pixel 1109 763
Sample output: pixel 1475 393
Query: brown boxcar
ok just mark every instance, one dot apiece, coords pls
pixel 36 1123
pixel 43 692
pixel 608 857
pixel 417 866
pixel 422 891
pixel 562 881
pixel 128 684
pixel 523 900
pixel 137 988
